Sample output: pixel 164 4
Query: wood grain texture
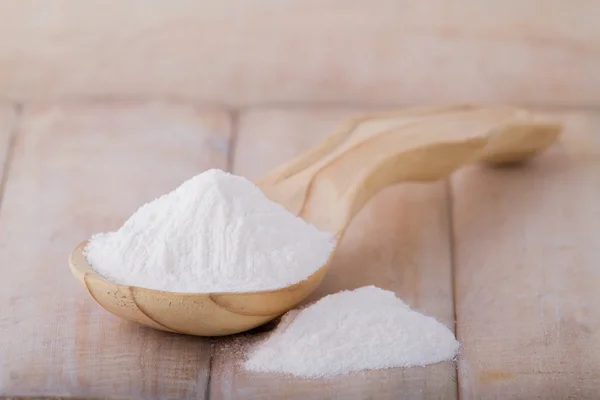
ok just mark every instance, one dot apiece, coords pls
pixel 78 170
pixel 239 53
pixel 399 242
pixel 8 125
pixel 527 257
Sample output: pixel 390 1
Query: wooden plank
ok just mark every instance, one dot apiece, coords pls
pixel 527 257
pixel 8 121
pixel 399 242
pixel 363 51
pixel 78 170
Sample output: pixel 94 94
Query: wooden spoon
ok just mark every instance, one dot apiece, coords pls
pixel 327 186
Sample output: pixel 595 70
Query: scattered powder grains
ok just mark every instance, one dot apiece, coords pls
pixel 367 328
pixel 217 232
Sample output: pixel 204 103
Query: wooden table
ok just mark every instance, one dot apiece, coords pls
pixel 510 258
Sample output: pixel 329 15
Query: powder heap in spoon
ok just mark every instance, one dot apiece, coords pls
pixel 217 232
pixel 367 328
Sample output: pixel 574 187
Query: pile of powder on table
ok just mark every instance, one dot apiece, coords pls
pixel 217 232
pixel 367 328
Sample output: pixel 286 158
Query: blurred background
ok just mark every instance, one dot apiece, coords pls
pixel 236 53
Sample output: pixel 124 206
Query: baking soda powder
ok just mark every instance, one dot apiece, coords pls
pixel 367 328
pixel 217 232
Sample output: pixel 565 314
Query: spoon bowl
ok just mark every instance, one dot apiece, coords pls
pixel 200 314
pixel 327 186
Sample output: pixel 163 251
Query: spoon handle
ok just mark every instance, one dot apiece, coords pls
pixel 329 184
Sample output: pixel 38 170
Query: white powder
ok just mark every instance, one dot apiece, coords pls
pixel 217 232
pixel 367 328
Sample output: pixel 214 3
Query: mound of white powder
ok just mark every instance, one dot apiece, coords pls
pixel 217 232
pixel 367 328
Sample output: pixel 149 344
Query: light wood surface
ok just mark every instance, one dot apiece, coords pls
pixel 77 170
pixel 362 51
pixel 399 242
pixel 527 272
pixel 525 249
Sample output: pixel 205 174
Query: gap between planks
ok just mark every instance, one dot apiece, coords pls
pixel 13 128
